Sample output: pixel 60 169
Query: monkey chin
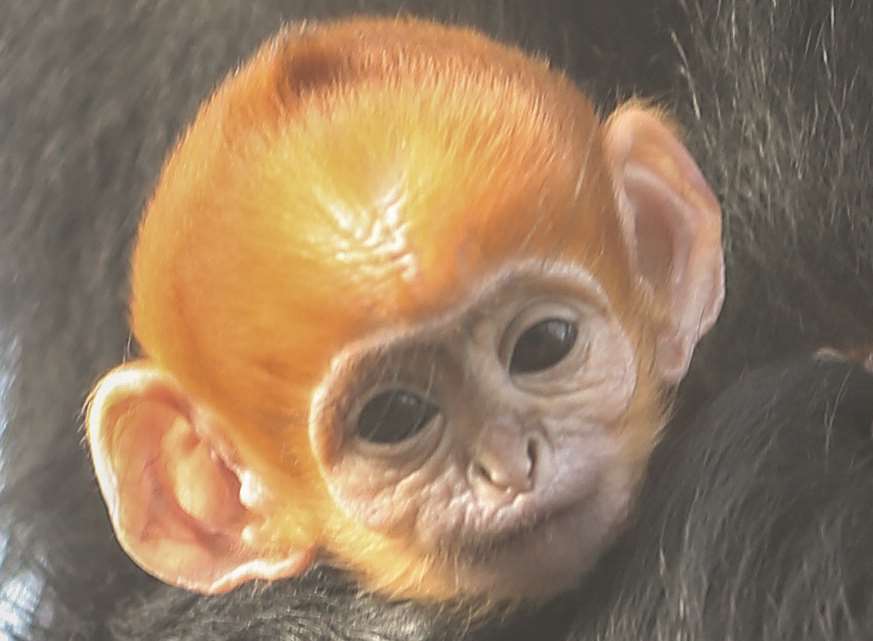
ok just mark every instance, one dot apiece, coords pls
pixel 544 557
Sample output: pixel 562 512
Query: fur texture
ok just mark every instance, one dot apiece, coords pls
pixel 754 520
pixel 775 100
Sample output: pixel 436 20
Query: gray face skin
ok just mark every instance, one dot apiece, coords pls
pixel 493 438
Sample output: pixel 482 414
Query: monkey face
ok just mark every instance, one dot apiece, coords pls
pixel 494 439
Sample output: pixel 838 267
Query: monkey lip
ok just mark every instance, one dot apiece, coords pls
pixel 487 546
pixel 544 553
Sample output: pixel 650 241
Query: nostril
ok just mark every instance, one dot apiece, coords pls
pixel 510 471
pixel 480 471
pixel 532 455
pixel 492 479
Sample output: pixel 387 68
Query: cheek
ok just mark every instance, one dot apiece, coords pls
pixel 391 497
pixel 589 462
pixel 604 386
pixel 589 427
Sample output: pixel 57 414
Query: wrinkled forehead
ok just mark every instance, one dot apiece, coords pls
pixel 415 197
pixel 400 171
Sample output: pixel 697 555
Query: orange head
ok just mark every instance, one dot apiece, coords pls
pixel 366 189
pixel 357 177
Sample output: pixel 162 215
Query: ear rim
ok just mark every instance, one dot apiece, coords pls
pixel 256 558
pixel 694 300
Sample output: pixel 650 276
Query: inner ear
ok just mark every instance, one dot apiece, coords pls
pixel 672 224
pixel 655 248
pixel 173 494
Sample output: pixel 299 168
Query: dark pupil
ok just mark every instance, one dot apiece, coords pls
pixel 393 416
pixel 542 346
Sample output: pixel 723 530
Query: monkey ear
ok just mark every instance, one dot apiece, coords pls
pixel 173 498
pixel 672 223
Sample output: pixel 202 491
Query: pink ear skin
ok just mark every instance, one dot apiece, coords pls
pixel 174 501
pixel 672 222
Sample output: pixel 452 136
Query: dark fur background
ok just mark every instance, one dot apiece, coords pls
pixel 752 525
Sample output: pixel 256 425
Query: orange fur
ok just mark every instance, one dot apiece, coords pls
pixel 351 178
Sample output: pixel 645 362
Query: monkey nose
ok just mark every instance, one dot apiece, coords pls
pixel 504 463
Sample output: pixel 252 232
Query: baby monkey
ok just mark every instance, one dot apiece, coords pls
pixel 407 307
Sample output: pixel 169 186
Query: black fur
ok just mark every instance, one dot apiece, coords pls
pixel 774 97
pixel 755 522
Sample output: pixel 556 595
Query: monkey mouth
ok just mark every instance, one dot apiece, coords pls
pixel 486 547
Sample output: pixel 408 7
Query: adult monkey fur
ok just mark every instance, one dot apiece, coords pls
pixel 828 94
pixel 470 297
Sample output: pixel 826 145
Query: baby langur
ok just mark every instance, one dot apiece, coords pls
pixel 406 307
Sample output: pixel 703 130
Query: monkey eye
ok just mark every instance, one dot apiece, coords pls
pixel 543 345
pixel 393 416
